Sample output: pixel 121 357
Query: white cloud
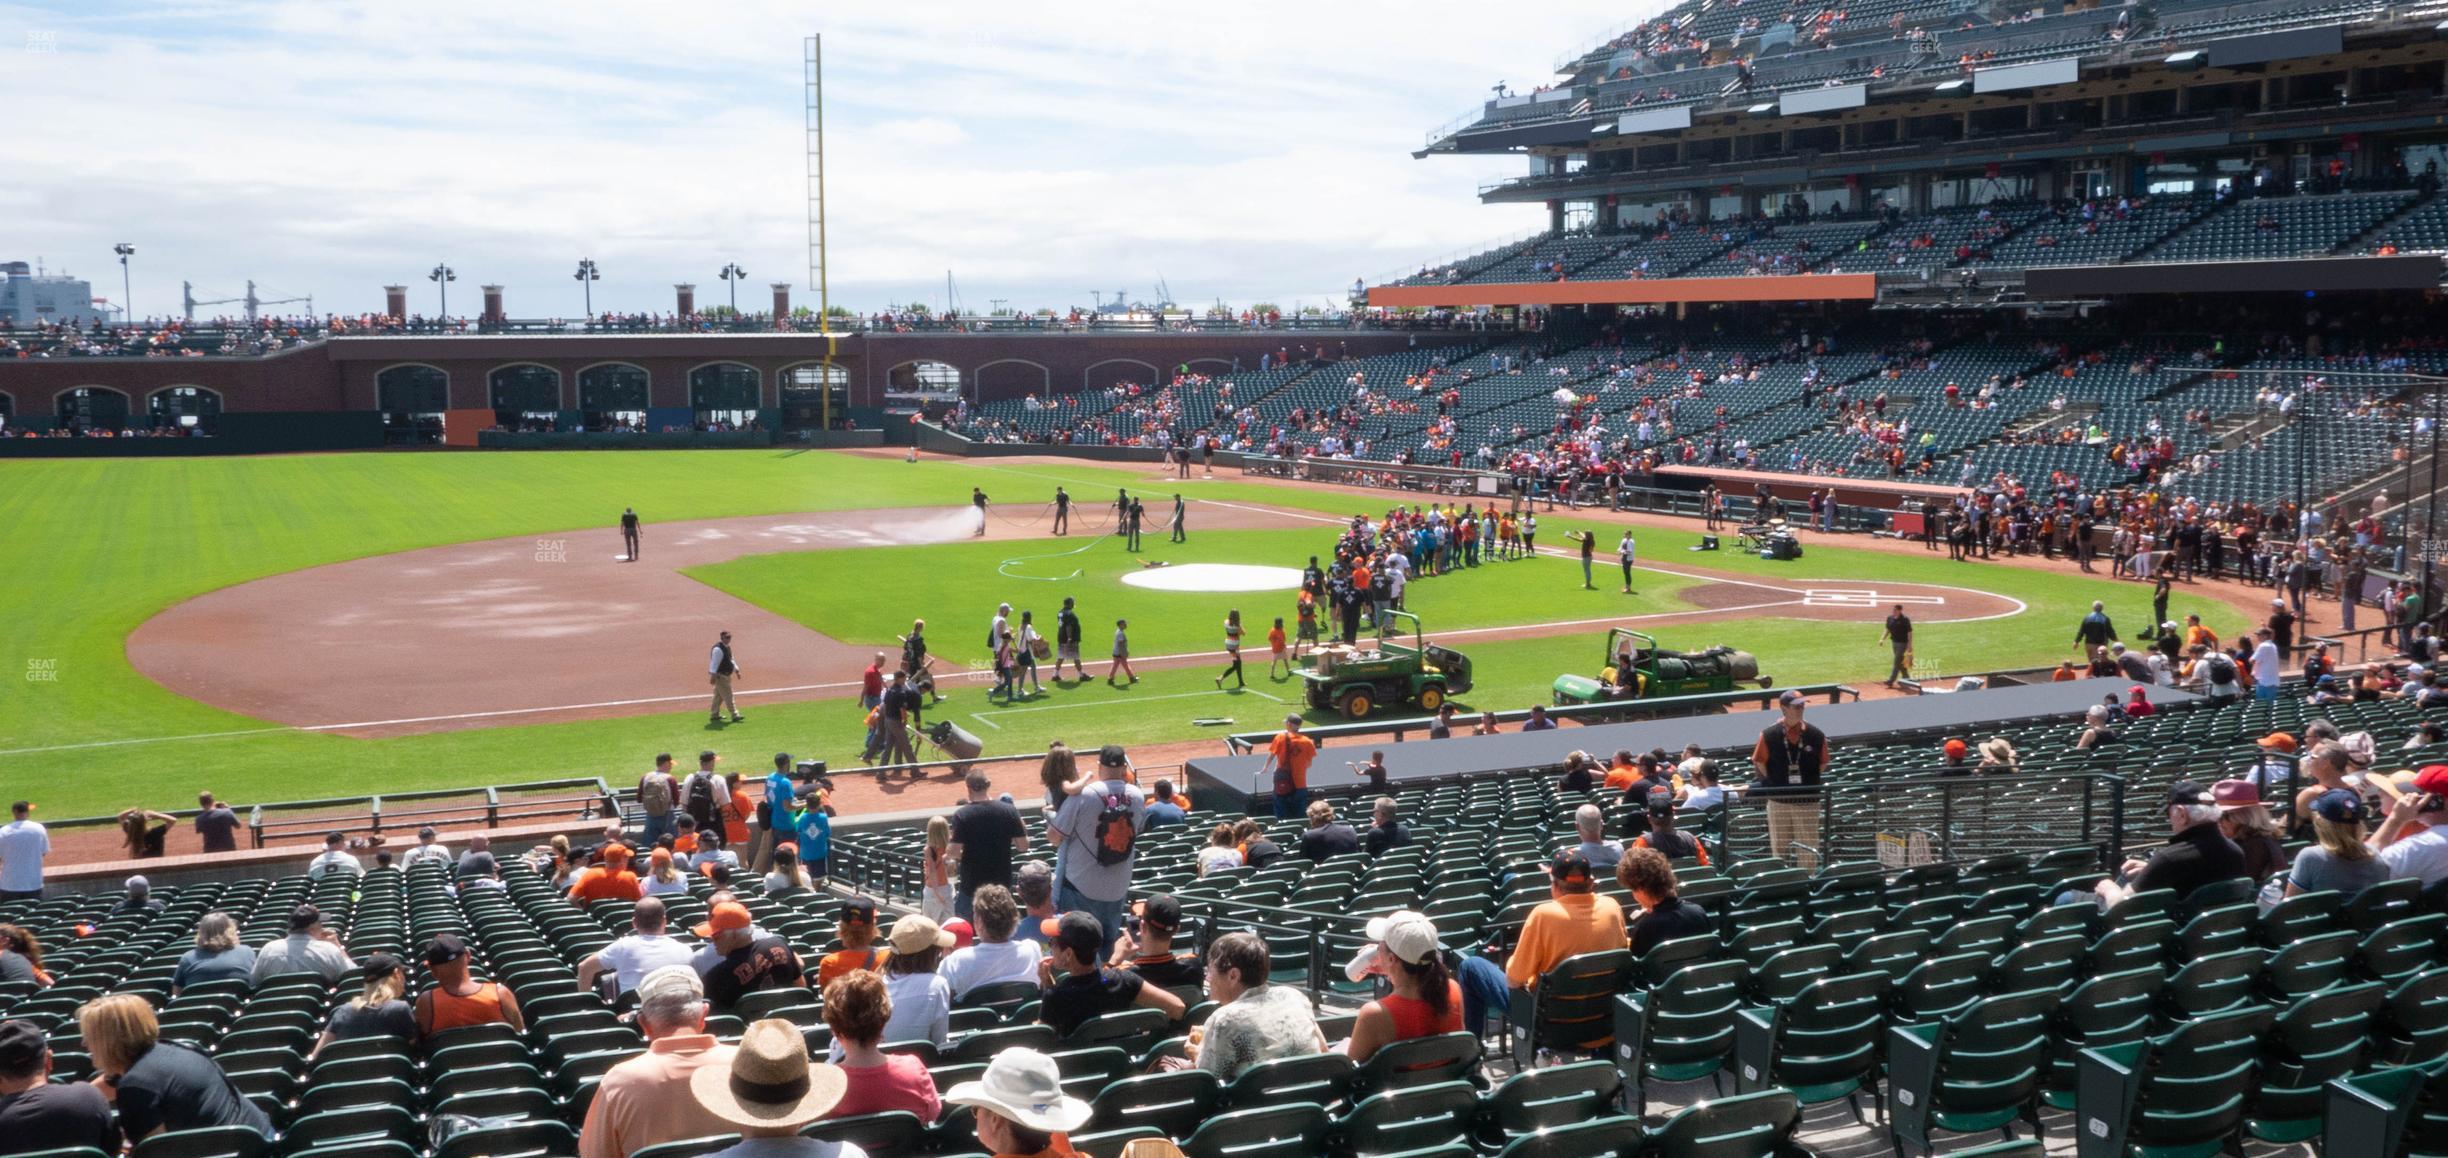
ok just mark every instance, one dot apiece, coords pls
pixel 1242 152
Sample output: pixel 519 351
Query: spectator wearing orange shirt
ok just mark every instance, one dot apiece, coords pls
pixel 856 928
pixel 609 881
pixel 1288 758
pixel 1576 920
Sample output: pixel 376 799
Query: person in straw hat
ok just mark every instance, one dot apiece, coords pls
pixel 1020 1106
pixel 767 1089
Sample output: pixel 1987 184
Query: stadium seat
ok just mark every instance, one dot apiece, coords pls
pixel 2319 1038
pixel 1976 1071
pixel 688 1147
pixel 1566 1011
pixel 1420 1061
pixel 1743 1126
pixel 2188 1088
pixel 1823 1045
pixel 1290 1128
pixel 204 1142
pixel 1413 1118
pixel 1680 1031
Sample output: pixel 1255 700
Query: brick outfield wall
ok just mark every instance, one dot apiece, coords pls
pixel 340 375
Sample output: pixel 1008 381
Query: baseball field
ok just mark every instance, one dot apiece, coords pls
pixel 285 627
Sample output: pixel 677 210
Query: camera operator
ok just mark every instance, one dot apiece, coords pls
pixel 2413 841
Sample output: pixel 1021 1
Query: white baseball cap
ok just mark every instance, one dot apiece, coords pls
pixel 1408 935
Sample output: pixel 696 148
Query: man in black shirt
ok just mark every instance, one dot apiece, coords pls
pixel 1384 830
pixel 1147 949
pixel 750 959
pixel 1790 757
pixel 39 1114
pixel 1062 513
pixel 986 835
pixel 1899 637
pixel 1327 836
pixel 2198 854
pixel 1067 641
pixel 1083 988
pixel 1664 915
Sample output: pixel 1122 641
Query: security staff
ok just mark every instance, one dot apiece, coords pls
pixel 721 668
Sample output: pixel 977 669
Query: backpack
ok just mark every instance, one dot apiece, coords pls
pixel 1117 832
pixel 701 801
pixel 2222 668
pixel 655 794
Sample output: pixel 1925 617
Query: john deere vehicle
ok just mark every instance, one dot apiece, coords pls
pixel 1357 682
pixel 1636 668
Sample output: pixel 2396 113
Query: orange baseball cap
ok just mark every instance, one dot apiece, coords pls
pixel 2277 742
pixel 1957 749
pixel 613 852
pixel 724 918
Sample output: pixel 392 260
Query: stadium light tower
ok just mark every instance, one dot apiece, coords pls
pixel 442 276
pixel 734 274
pixel 587 277
pixel 127 294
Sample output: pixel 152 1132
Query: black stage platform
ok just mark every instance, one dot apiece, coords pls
pixel 1226 782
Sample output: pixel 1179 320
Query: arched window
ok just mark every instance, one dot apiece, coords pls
pixel 725 394
pixel 813 392
pixel 93 408
pixel 612 396
pixel 922 382
pixel 412 399
pixel 195 409
pixel 525 396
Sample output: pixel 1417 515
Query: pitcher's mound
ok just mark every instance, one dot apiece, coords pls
pixel 1215 577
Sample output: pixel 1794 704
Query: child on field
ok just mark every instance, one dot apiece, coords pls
pixel 1275 644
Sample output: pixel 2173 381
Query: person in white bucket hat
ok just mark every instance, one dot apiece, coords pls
pixel 1022 1111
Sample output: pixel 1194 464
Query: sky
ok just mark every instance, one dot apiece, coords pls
pixel 1250 152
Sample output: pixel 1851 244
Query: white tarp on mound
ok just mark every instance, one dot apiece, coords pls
pixel 1215 577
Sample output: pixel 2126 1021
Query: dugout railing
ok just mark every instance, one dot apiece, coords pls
pixel 496 806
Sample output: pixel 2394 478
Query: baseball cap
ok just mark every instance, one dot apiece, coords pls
pixel 21 1045
pixel 671 979
pixel 2338 805
pixel 379 965
pixel 444 949
pixel 1571 868
pixel 616 852
pixel 1366 961
pixel 1111 756
pixel 1661 803
pixel 138 884
pixel 2137 690
pixel 963 935
pixel 1792 698
pixel 1956 749
pixel 2187 792
pixel 2230 795
pixel 2432 778
pixel 1162 910
pixel 705 754
pixel 858 911
pixel 1410 937
pixel 723 918
pixel 2277 742
pixel 1079 932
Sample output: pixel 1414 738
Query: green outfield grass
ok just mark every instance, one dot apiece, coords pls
pixel 95 547
pixel 955 588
